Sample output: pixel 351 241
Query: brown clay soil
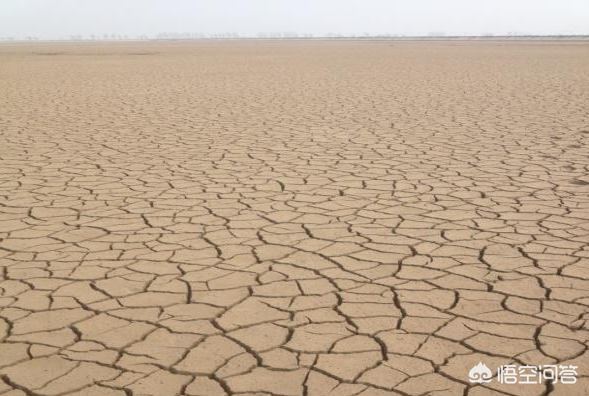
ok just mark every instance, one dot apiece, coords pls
pixel 292 218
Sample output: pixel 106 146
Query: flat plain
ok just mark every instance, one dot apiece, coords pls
pixel 293 218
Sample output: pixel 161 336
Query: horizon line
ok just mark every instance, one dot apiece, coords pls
pixel 234 37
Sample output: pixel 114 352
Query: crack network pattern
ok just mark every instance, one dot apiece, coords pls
pixel 292 218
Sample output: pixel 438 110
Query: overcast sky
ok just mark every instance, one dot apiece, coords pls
pixel 53 19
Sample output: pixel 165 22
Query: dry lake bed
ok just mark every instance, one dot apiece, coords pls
pixel 294 218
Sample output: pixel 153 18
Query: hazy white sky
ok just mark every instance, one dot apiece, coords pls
pixel 51 19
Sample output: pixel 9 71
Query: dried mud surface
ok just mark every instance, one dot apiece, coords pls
pixel 292 218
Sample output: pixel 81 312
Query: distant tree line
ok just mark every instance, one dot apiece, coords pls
pixel 287 35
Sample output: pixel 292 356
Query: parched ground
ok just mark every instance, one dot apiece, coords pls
pixel 292 218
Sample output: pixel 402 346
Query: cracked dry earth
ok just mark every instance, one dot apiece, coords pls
pixel 292 218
